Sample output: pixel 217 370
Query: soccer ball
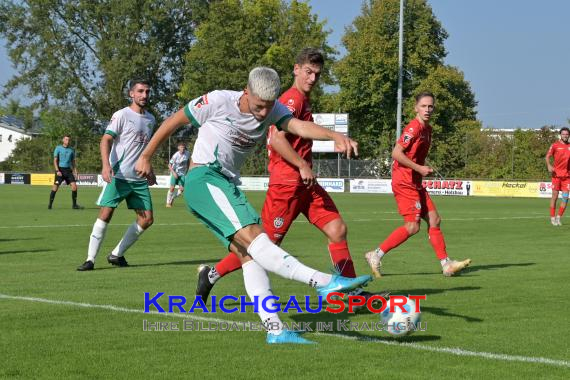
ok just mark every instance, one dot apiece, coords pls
pixel 401 323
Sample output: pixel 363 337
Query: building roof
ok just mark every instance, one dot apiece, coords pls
pixel 17 125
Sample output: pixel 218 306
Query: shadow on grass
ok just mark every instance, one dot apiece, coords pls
pixel 30 238
pixel 444 313
pixel 366 331
pixel 25 251
pixel 187 262
pixel 470 269
pixel 476 268
pixel 441 311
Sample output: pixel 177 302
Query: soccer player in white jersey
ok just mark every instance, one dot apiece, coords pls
pixel 178 166
pixel 122 143
pixel 229 124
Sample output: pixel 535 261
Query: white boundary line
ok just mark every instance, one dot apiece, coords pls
pixel 415 346
pixel 297 221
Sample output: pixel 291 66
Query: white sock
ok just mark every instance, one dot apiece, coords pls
pixel 276 260
pixel 213 275
pixel 132 235
pixel 96 238
pixel 444 261
pixel 257 284
pixel 178 193
pixel 169 197
pixel 379 253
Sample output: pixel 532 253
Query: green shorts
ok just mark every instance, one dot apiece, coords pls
pixel 137 194
pixel 218 203
pixel 177 181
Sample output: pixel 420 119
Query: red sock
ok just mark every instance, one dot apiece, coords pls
pixel 228 264
pixel 340 256
pixel 552 212
pixel 437 242
pixel 561 211
pixel 397 237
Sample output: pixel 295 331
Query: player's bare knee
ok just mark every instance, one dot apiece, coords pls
pixel 412 228
pixel 105 214
pixel 337 232
pixel 435 221
pixel 246 235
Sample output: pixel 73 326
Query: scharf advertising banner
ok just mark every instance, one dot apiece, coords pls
pixel 457 187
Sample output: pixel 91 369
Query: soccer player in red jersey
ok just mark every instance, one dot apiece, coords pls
pixel 560 150
pixel 414 202
pixel 293 188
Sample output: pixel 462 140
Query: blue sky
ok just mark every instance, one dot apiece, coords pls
pixel 514 53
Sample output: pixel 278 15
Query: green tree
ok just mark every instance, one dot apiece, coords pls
pixel 368 74
pixel 495 154
pixel 30 155
pixel 82 53
pixel 241 34
pixel 454 115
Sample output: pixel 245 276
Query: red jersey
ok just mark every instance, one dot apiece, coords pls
pixel 280 171
pixel 561 153
pixel 416 140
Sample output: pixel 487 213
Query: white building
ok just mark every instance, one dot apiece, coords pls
pixel 11 130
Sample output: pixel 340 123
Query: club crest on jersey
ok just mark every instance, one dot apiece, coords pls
pixel 278 222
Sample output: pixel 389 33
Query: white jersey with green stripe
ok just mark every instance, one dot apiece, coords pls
pixel 179 162
pixel 131 133
pixel 226 136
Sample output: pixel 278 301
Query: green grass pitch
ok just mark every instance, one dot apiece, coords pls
pixel 506 317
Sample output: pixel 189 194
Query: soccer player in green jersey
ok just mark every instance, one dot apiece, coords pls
pixel 122 143
pixel 230 124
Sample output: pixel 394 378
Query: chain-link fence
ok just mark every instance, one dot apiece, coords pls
pixel 345 168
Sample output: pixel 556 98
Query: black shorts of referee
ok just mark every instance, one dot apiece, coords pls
pixel 66 175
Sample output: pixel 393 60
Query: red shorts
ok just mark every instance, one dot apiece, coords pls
pixel 561 184
pixel 412 204
pixel 284 203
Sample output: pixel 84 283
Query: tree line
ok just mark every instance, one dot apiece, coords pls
pixel 75 58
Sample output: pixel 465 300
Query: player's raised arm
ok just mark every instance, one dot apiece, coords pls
pixel 281 145
pixel 166 129
pixel 310 130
